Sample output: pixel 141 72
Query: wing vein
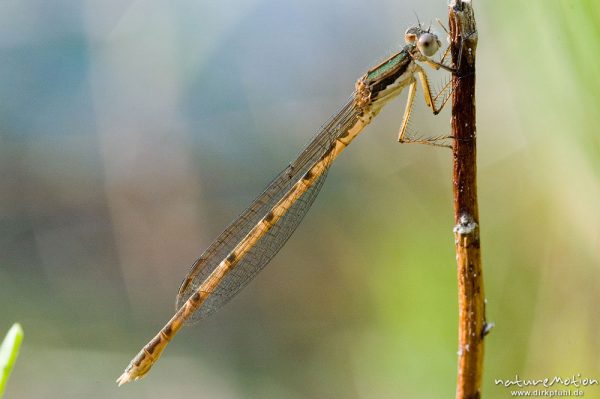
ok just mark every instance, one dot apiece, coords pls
pixel 257 257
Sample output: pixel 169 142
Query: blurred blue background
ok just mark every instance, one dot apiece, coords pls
pixel 131 133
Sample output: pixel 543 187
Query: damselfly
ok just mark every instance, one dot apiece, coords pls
pixel 249 243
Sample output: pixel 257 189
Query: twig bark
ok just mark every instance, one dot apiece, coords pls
pixel 472 325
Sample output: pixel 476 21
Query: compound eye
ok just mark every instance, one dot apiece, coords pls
pixel 428 44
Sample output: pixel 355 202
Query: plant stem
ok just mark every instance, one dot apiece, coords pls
pixel 471 303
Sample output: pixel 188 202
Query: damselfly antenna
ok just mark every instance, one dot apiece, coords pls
pixel 418 21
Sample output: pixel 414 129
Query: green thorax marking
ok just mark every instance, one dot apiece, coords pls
pixel 388 65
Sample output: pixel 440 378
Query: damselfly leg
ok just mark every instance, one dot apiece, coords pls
pixel 431 101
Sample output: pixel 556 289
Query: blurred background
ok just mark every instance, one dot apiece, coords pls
pixel 133 132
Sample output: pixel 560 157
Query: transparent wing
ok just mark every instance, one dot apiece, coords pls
pixel 264 250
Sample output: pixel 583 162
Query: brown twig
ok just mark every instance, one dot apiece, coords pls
pixel 472 325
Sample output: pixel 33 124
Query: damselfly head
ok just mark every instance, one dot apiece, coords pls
pixel 426 41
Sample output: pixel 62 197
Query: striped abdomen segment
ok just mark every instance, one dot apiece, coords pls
pixel 144 360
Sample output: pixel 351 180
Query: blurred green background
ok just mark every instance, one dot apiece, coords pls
pixel 132 132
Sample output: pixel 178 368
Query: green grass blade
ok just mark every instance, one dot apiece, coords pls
pixel 9 350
